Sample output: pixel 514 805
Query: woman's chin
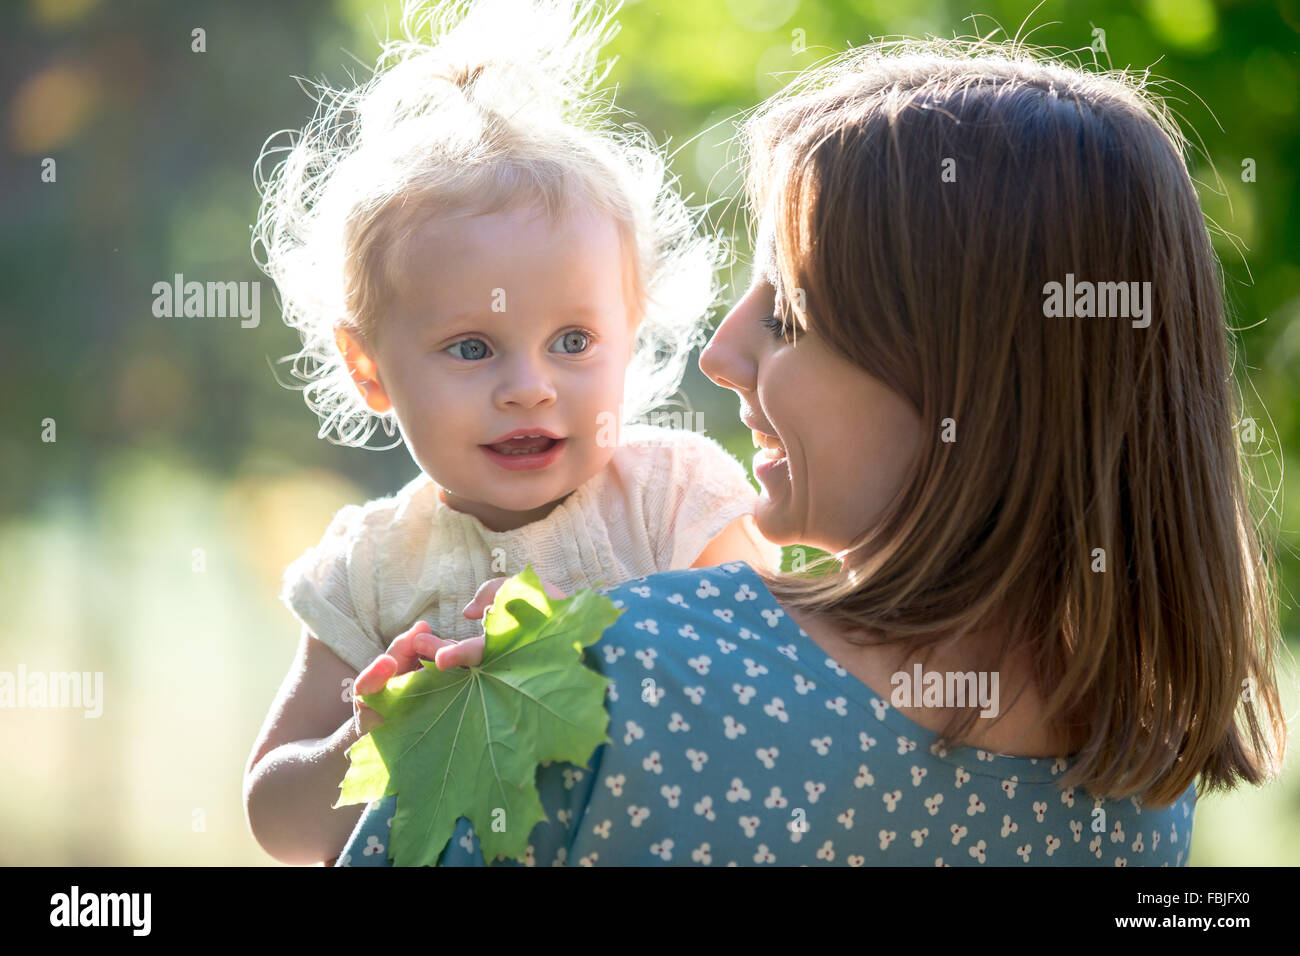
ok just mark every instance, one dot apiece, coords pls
pixel 773 524
pixel 776 525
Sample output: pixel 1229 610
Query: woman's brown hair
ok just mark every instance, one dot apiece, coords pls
pixel 922 198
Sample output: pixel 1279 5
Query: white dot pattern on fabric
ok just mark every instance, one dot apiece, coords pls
pixel 778 756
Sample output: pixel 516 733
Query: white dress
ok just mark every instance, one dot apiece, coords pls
pixel 384 565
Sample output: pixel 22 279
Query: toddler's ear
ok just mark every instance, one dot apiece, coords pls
pixel 364 371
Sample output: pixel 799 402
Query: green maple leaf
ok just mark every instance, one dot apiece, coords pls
pixel 467 742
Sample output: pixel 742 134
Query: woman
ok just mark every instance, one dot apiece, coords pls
pixel 985 352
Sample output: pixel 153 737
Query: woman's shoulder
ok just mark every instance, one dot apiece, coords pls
pixel 670 591
pixel 720 697
pixel 658 585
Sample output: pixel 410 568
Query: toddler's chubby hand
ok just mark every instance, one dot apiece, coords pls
pixel 469 653
pixel 420 642
pixel 402 655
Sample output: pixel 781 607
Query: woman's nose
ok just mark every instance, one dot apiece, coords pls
pixel 726 358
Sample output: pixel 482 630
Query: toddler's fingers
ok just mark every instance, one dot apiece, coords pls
pixel 487 593
pixel 405 648
pixel 468 653
pixel 375 676
pixel 403 655
pixel 483 598
pixel 428 645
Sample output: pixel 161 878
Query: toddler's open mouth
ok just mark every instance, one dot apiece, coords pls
pixel 524 445
pixel 526 451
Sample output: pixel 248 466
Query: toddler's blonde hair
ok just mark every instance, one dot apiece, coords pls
pixel 482 107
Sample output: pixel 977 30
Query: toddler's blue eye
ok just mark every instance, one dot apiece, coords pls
pixel 573 342
pixel 478 351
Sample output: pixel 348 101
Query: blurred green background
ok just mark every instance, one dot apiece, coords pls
pixel 177 448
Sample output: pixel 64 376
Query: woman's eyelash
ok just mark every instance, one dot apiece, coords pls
pixel 775 326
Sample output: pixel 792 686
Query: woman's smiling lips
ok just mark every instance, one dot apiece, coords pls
pixel 773 454
pixel 769 460
pixel 763 439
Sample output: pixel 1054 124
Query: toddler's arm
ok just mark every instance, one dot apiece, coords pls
pixel 292 778
pixel 300 756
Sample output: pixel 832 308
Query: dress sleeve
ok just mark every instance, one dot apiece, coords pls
pixel 697 491
pixel 331 588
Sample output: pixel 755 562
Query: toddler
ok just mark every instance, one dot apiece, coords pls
pixel 474 254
